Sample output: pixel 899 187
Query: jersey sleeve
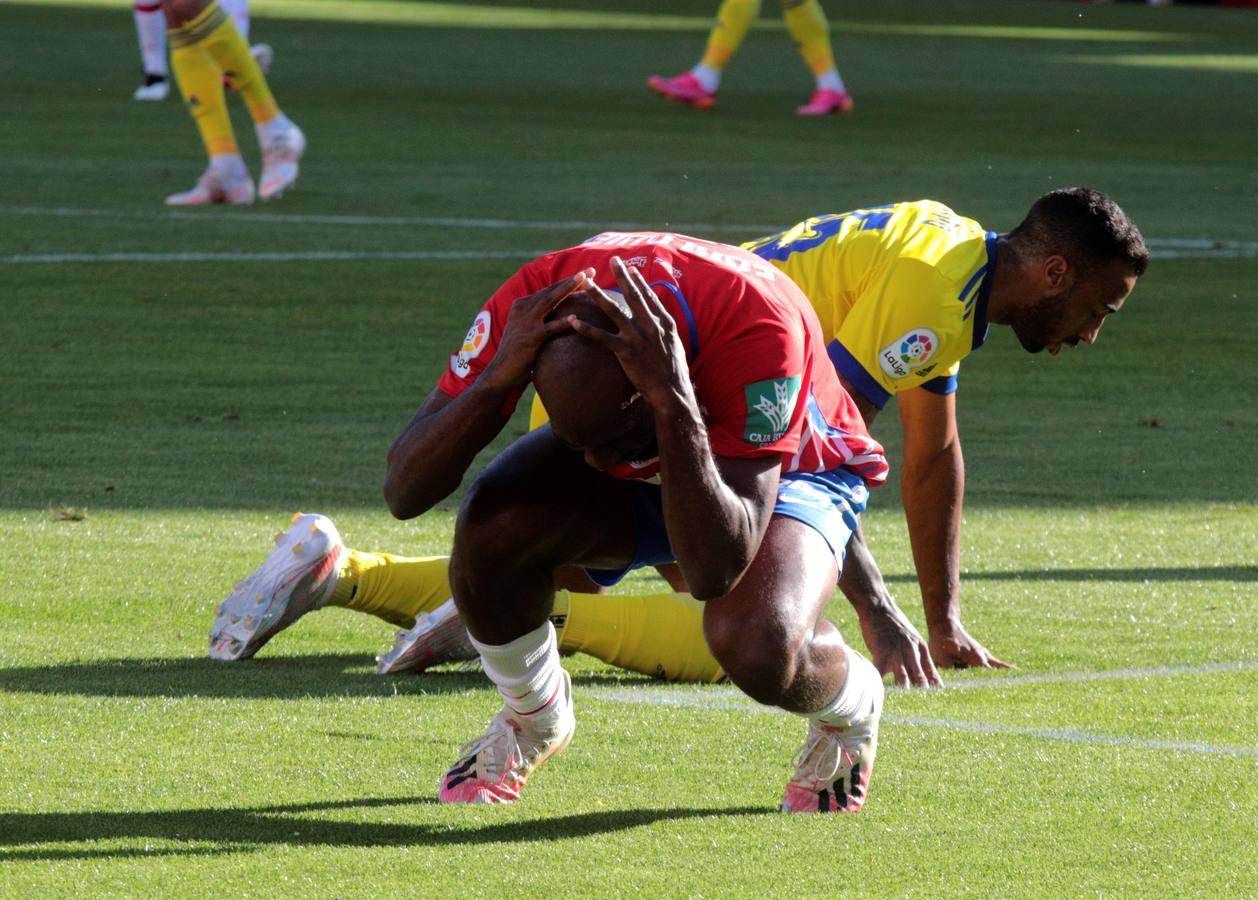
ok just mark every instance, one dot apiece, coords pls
pixel 752 393
pixel 945 382
pixel 483 336
pixel 892 332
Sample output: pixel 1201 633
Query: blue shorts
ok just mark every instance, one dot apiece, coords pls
pixel 828 502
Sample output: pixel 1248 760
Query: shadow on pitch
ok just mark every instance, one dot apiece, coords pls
pixel 276 677
pixel 234 830
pixel 1172 573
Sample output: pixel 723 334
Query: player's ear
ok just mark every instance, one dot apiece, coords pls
pixel 1056 273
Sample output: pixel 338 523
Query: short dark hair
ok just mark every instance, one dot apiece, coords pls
pixel 1086 227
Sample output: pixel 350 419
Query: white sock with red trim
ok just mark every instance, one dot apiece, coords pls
pixel 527 673
pixel 150 29
pixel 858 699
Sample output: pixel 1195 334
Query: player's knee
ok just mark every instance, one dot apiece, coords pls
pixel 763 668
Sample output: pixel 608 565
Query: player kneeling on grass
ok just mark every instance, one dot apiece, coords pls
pixel 903 292
pixel 701 422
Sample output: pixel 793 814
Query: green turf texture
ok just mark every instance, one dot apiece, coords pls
pixel 161 420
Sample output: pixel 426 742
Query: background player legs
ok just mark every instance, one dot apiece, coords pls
pixel 807 23
pixel 203 37
pixel 150 32
pixel 698 87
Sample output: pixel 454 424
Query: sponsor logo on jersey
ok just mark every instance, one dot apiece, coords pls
pixel 910 351
pixel 473 343
pixel 770 406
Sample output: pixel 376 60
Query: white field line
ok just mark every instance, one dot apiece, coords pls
pixel 1000 681
pixel 726 698
pixel 296 256
pixel 1162 248
pixel 227 215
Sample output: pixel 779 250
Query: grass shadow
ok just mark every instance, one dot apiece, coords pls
pixel 244 829
pixel 276 677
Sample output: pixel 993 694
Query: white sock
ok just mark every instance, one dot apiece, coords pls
pixel 708 77
pixel 150 30
pixel 229 165
pixel 268 131
pixel 859 698
pixel 239 11
pixel 526 671
pixel 828 81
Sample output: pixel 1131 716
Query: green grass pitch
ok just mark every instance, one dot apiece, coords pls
pixel 161 416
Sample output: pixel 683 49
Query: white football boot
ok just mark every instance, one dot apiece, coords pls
pixel 280 156
pixel 298 576
pixel 438 637
pixel 155 87
pixel 215 186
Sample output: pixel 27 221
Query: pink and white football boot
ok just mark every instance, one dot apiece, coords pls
pixel 825 102
pixel 494 767
pixel 437 637
pixel 215 186
pixel 833 767
pixel 683 88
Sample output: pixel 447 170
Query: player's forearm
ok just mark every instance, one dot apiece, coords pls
pixel 861 580
pixel 711 530
pixel 932 490
pixel 428 459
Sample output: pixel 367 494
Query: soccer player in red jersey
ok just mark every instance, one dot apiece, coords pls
pixel 696 418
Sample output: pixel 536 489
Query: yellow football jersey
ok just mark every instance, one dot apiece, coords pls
pixel 901 291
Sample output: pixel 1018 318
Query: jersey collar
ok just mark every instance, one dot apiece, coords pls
pixel 981 326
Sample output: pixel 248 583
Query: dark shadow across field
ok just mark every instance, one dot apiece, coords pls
pixel 280 678
pixel 245 829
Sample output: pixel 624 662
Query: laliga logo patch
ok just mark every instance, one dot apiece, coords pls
pixel 912 350
pixel 473 343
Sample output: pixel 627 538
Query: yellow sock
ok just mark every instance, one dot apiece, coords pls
pixel 201 83
pixel 537 414
pixel 393 588
pixel 733 20
pixel 215 31
pixel 658 634
pixel 807 23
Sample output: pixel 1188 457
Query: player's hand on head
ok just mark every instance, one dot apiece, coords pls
pixel 898 649
pixel 527 329
pixel 646 341
pixel 954 648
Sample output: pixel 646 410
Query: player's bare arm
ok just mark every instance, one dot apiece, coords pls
pixel 716 509
pixel 429 458
pixel 932 483
pixel 897 648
